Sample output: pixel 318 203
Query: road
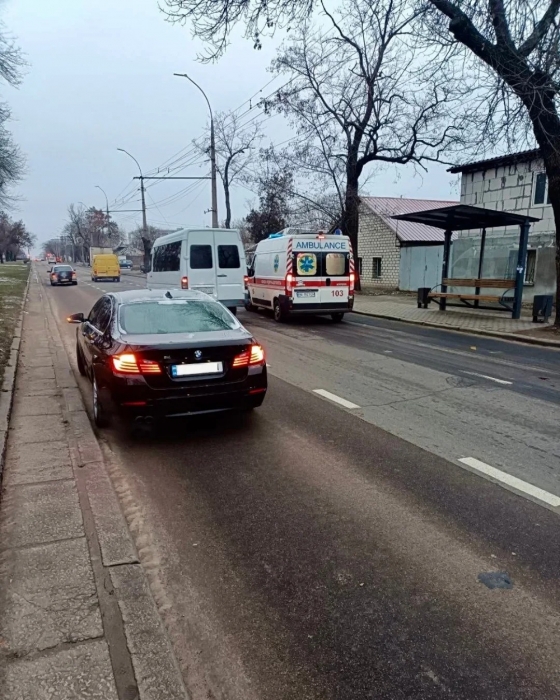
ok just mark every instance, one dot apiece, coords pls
pixel 314 550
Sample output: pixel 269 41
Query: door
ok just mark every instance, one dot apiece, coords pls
pixel 165 272
pixel 93 330
pixel 230 268
pixel 201 261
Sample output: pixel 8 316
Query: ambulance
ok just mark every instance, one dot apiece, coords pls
pixel 302 272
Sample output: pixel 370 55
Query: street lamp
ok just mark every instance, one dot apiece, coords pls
pixel 212 152
pixel 107 209
pixel 144 222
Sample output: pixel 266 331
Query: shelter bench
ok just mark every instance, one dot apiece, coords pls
pixel 478 284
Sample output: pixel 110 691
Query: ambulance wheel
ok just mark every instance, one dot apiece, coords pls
pixel 279 313
pixel 250 307
pixel 337 317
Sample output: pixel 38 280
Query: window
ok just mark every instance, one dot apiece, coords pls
pixel 376 268
pixel 228 257
pixel 100 316
pixel 360 266
pixel 306 264
pixel 201 257
pixel 175 316
pixel 530 266
pixel 167 258
pixel 335 264
pixel 540 188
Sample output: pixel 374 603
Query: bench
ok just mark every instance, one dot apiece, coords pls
pixel 478 284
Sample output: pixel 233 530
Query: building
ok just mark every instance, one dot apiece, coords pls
pixel 398 254
pixel 514 183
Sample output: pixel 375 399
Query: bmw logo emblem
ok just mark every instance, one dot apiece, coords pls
pixel 198 354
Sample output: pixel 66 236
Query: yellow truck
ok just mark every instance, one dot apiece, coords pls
pixel 105 266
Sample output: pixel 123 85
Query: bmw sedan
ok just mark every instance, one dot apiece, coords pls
pixel 63 274
pixel 155 353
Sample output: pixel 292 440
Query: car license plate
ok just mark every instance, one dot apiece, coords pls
pixel 206 290
pixel 191 370
pixel 305 294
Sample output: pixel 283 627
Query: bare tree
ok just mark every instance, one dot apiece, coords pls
pixel 12 163
pixel 13 237
pixel 515 47
pixel 235 150
pixel 213 20
pixel 361 92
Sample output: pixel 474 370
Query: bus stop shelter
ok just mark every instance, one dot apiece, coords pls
pixel 464 217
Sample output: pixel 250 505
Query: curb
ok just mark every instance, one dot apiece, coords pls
pixel 9 380
pixel 472 331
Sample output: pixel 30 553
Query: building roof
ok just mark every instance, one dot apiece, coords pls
pixel 407 232
pixel 463 217
pixel 511 159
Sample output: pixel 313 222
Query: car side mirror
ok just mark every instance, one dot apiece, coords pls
pixel 76 318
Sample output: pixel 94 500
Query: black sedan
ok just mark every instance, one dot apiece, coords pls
pixel 63 274
pixel 157 353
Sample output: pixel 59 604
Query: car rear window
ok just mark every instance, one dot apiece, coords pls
pixel 228 257
pixel 177 316
pixel 62 268
pixel 201 257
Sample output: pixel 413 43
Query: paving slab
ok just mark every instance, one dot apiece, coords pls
pixel 50 597
pixel 42 429
pixel 30 406
pixel 37 372
pixel 28 463
pixel 38 513
pixel 36 387
pixel 81 673
pixel 156 672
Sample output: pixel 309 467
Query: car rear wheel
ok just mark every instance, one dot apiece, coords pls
pixel 117 279
pixel 279 313
pixel 80 361
pixel 337 317
pixel 100 416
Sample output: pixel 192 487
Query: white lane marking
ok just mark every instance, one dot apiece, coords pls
pixel 485 376
pixel 518 484
pixel 333 397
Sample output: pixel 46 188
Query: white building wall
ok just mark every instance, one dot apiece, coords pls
pixel 377 240
pixel 508 188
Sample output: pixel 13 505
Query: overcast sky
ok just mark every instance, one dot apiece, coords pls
pixel 101 77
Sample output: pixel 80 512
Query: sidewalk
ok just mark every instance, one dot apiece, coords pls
pixel 482 322
pixel 77 620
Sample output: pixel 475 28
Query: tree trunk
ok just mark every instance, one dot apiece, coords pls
pixel 147 251
pixel 546 126
pixel 228 205
pixel 350 221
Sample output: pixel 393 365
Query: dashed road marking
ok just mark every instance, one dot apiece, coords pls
pixel 512 482
pixel 485 376
pixel 336 399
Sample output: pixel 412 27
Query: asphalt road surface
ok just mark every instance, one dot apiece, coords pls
pixel 329 546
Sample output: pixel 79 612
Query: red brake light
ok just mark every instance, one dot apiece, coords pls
pixel 129 364
pixel 73 274
pixel 184 282
pixel 246 280
pixel 254 356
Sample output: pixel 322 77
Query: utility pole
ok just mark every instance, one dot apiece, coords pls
pixel 141 178
pixel 212 153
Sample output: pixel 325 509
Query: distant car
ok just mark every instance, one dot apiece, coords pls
pixel 165 353
pixel 126 265
pixel 63 274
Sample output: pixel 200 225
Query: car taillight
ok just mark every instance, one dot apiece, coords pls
pixel 352 281
pixel 53 275
pixel 184 282
pixel 130 364
pixel 290 282
pixel 246 280
pixel 73 275
pixel 252 356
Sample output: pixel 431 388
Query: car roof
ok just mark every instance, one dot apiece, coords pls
pixel 139 295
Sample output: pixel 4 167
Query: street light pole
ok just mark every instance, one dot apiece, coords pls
pixel 107 209
pixel 144 221
pixel 212 152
